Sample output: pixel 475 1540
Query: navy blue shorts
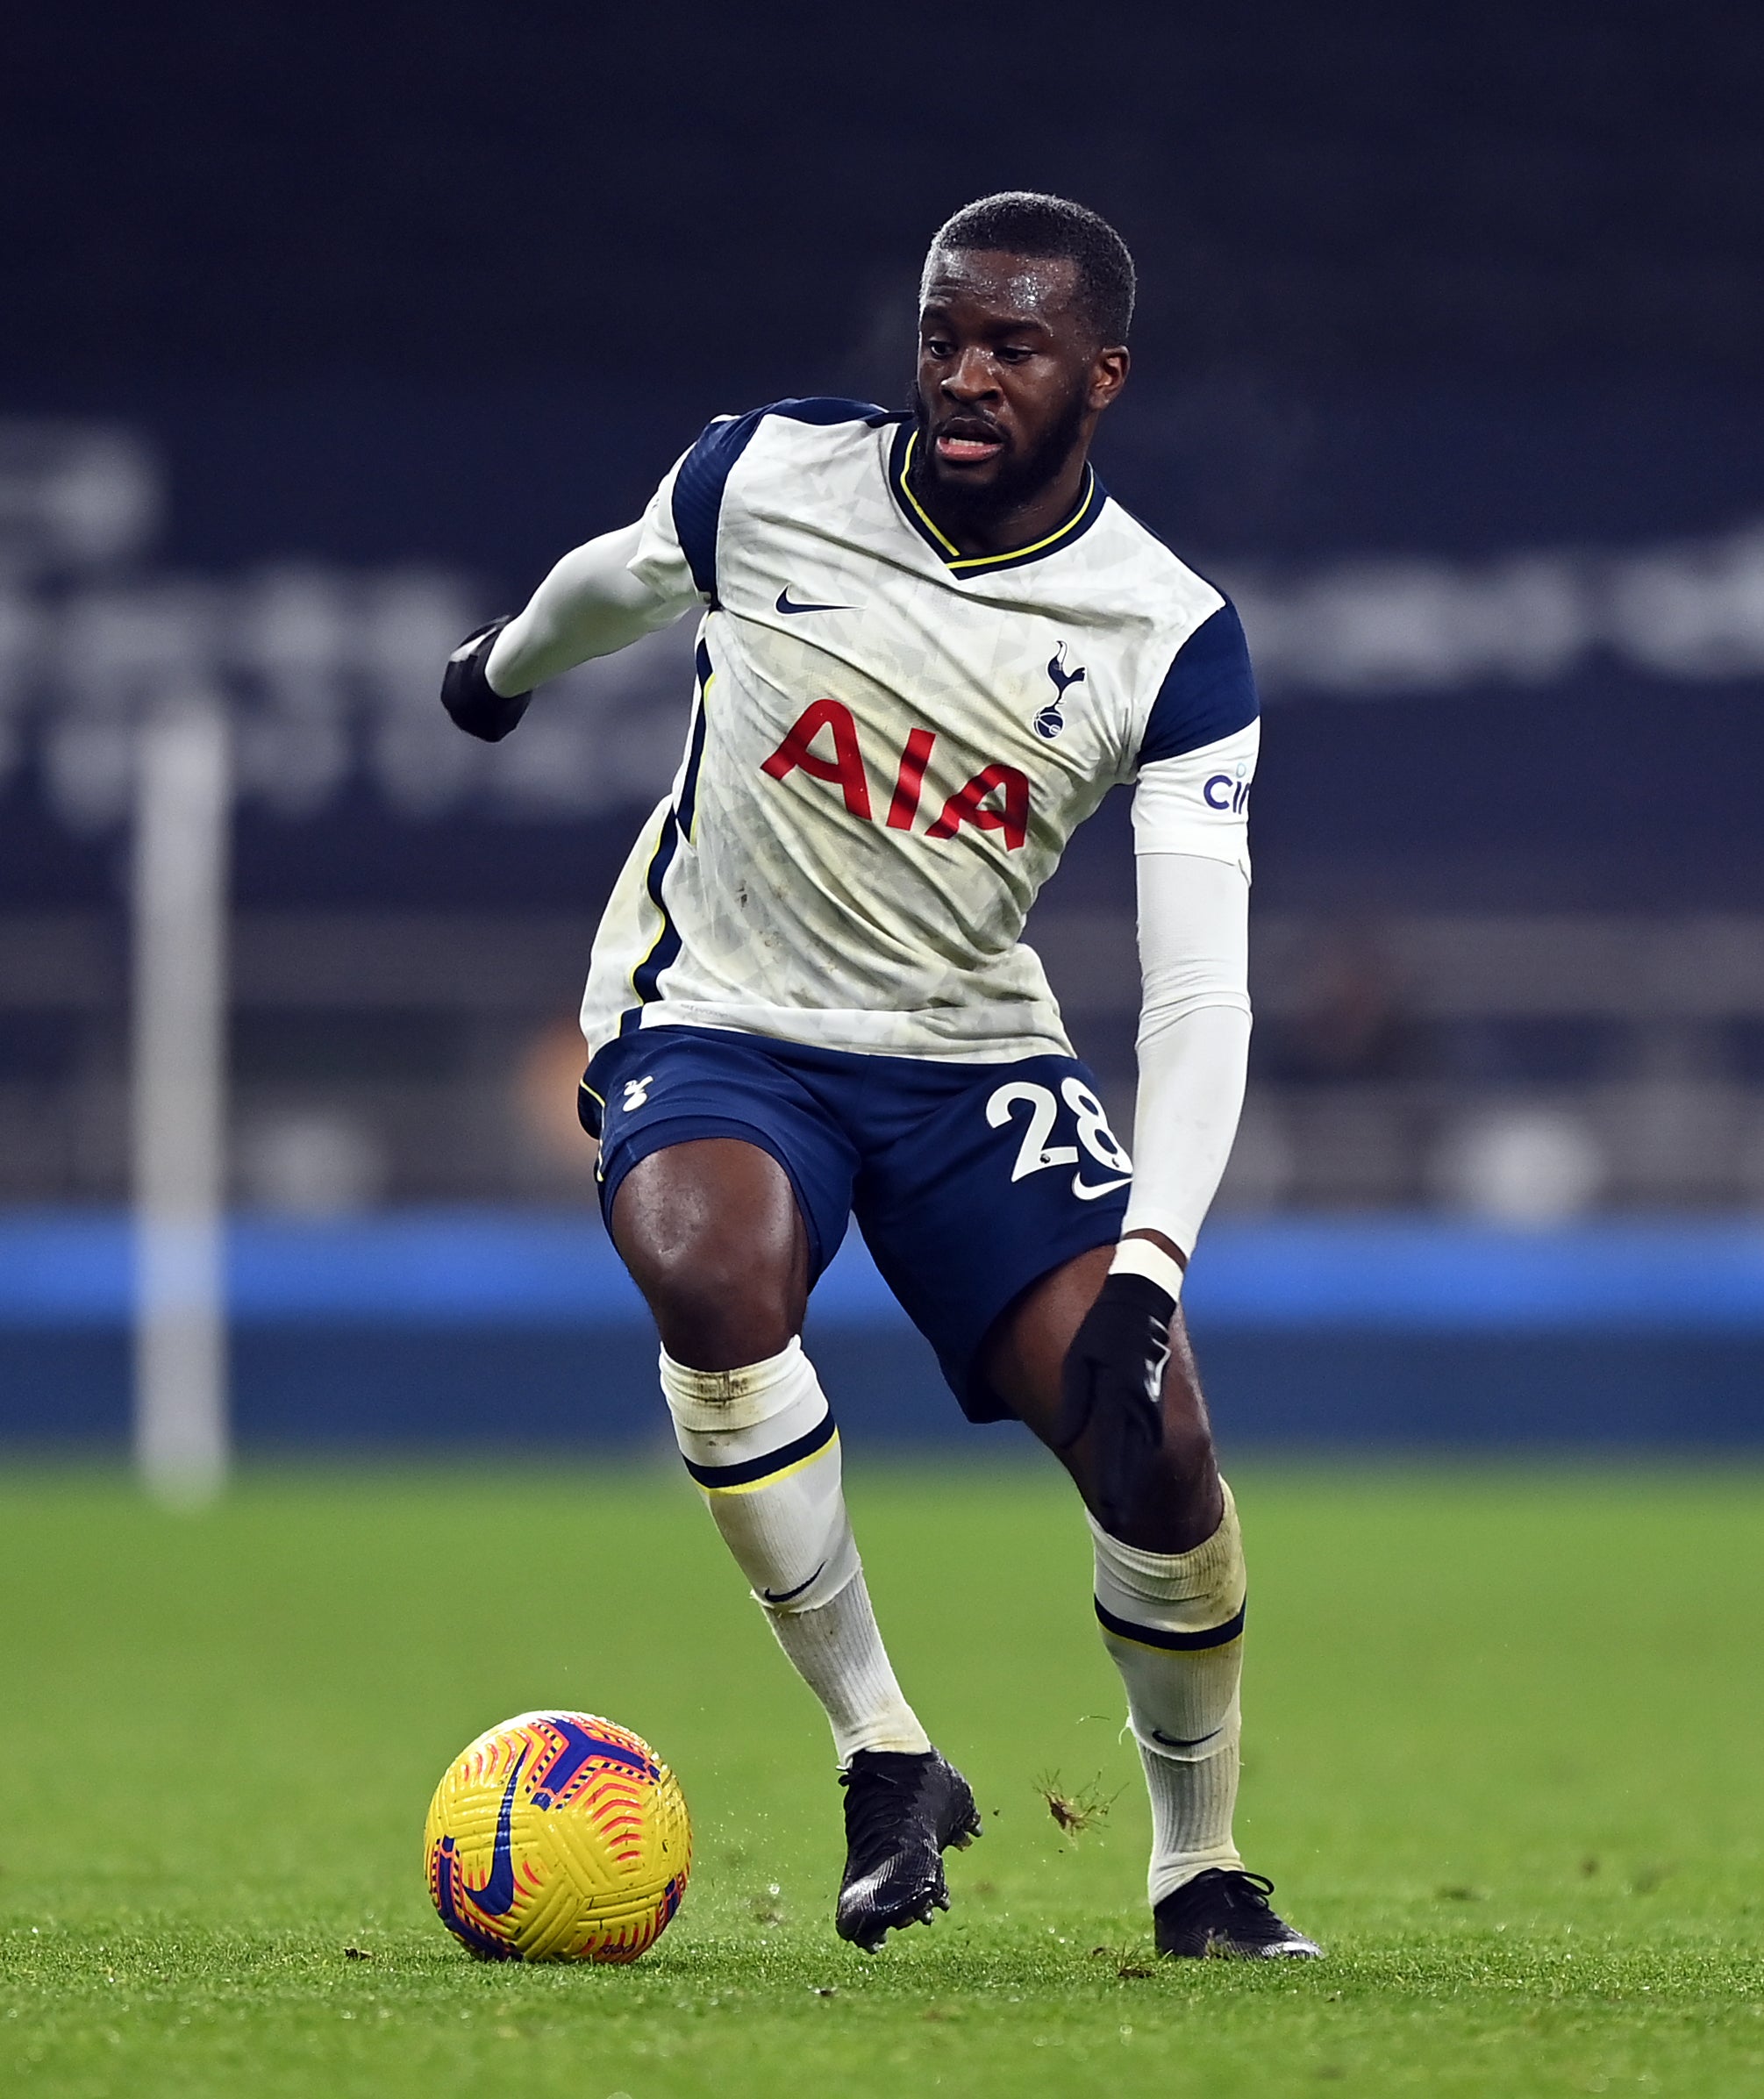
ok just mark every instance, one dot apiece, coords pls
pixel 967 1181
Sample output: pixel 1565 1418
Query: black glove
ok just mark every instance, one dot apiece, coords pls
pixel 465 692
pixel 1113 1386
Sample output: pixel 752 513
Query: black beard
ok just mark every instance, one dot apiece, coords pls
pixel 1018 482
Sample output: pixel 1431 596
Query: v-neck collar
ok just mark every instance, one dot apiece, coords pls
pixel 1089 510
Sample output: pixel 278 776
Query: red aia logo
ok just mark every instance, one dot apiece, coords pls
pixel 967 805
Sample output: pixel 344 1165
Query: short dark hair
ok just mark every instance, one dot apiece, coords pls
pixel 1022 222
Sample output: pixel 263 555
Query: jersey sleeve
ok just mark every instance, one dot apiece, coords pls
pixel 1199 802
pixel 697 485
pixel 1208 693
pixel 661 560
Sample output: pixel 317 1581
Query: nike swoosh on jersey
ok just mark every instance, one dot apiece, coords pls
pixel 1178 1742
pixel 785 605
pixel 496 1896
pixel 784 1595
pixel 1085 1193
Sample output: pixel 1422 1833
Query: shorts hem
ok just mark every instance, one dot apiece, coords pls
pixel 979 1403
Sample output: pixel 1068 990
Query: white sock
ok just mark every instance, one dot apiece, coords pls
pixel 1174 1624
pixel 761 1445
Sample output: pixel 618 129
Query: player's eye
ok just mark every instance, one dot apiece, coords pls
pixel 935 345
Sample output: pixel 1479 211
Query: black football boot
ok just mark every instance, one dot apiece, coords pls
pixel 902 1812
pixel 1226 1913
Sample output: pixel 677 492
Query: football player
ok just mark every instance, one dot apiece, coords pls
pixel 929 644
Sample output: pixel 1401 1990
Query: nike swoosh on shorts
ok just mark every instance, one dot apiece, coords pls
pixel 1086 1192
pixel 785 605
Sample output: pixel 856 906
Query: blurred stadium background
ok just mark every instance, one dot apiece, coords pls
pixel 331 330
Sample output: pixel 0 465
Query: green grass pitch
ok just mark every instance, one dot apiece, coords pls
pixel 1504 1756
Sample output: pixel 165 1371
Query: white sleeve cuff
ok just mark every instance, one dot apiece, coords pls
pixel 1199 803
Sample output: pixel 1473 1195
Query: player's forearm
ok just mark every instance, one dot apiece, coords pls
pixel 590 604
pixel 1191 1086
pixel 1194 1039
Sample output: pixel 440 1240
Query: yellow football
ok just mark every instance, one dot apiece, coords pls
pixel 558 1837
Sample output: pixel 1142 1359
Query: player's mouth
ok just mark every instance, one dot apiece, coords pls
pixel 968 441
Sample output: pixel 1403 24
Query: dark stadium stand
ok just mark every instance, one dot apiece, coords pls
pixel 1536 192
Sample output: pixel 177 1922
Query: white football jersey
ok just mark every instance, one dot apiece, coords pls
pixel 891 742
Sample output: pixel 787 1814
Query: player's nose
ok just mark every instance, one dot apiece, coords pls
pixel 973 377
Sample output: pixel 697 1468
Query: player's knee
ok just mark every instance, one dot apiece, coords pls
pixel 715 1310
pixel 1185 1458
pixel 1167 1490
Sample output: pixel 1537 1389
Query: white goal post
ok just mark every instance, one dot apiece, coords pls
pixel 179 910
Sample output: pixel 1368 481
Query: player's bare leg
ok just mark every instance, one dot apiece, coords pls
pixel 713 1239
pixel 711 1232
pixel 1170 1597
pixel 1177 1497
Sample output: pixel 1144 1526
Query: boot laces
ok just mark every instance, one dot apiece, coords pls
pixel 876 1804
pixel 1252 1890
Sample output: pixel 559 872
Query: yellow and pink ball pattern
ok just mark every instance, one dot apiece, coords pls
pixel 558 1837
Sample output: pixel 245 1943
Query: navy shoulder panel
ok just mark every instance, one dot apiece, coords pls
pixel 704 474
pixel 1208 692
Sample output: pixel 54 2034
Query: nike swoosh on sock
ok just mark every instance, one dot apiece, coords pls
pixel 784 1595
pixel 1178 1742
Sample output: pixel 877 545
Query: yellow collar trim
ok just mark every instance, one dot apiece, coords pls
pixel 954 558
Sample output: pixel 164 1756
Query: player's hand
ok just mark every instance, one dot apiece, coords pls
pixel 1113 1388
pixel 467 693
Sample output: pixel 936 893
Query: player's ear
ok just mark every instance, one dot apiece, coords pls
pixel 1108 375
